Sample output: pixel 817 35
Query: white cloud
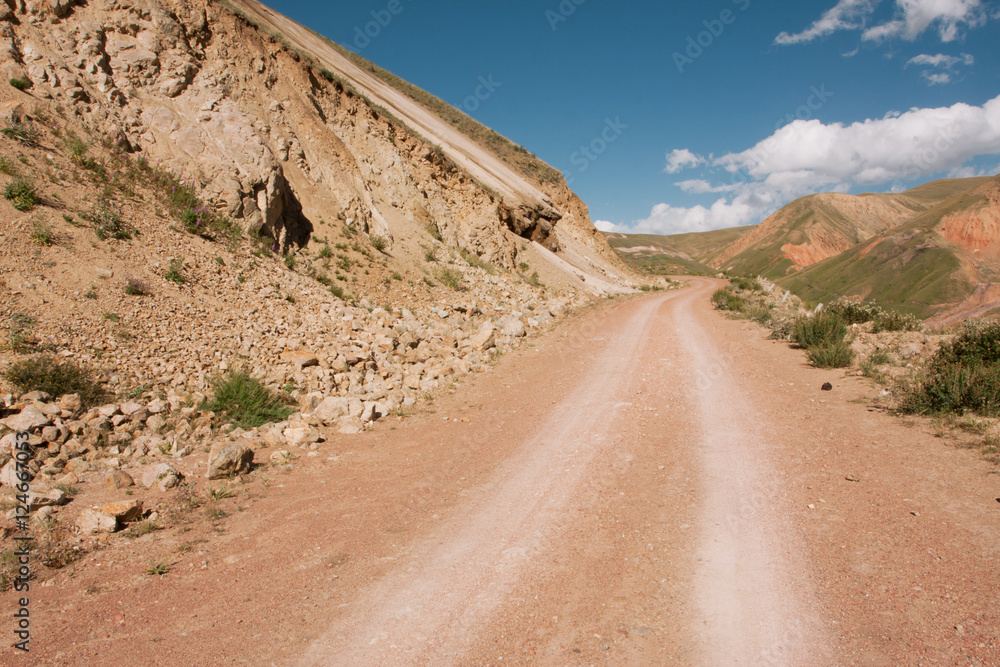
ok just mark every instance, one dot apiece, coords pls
pixel 940 60
pixel 899 146
pixel 667 219
pixel 914 17
pixel 680 159
pixel 605 226
pixel 700 187
pixel 845 15
pixel 939 68
pixel 806 157
pixel 936 78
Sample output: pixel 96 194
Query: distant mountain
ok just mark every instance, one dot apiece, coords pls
pixel 676 254
pixel 816 227
pixel 942 264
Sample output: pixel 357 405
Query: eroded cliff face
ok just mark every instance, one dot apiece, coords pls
pixel 272 140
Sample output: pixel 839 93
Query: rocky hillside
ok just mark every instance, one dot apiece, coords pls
pixel 813 228
pixel 189 193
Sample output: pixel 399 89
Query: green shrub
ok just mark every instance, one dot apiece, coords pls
pixel 451 278
pixel 20 84
pixel 54 376
pixel 21 329
pixel 380 243
pixel 243 400
pixel 41 233
pixel 837 354
pixel 824 328
pixel 723 299
pixel 859 312
pixel 175 273
pixel 964 375
pixel 759 313
pixel 108 221
pixel 26 133
pixel 746 284
pixel 476 261
pixel 136 287
pixel 21 194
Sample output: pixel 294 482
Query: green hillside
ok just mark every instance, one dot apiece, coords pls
pixel 911 268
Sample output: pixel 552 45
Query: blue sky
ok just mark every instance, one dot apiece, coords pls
pixel 687 116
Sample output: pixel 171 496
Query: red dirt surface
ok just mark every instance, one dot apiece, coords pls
pixel 651 483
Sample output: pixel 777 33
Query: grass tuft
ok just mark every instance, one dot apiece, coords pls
pixel 245 401
pixel 21 194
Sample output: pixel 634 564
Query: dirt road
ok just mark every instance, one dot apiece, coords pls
pixel 650 484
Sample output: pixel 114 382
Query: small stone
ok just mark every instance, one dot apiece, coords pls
pixel 155 472
pixel 827 386
pixel 70 403
pixel 232 458
pixel 29 419
pixel 123 510
pixel 301 435
pixel 119 479
pixel 37 499
pixel 300 359
pixel 156 423
pixel 853 478
pixel 331 409
pixel 130 408
pixel 91 521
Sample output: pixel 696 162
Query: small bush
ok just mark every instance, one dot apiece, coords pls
pixel 54 376
pixel 245 401
pixel 837 354
pixel 430 255
pixel 746 284
pixel 859 312
pixel 6 166
pixel 136 287
pixel 108 222
pixel 964 375
pixel 476 261
pixel 380 243
pixel 759 313
pixel 26 133
pixel 451 278
pixel 41 233
pixel 822 329
pixel 723 299
pixel 327 74
pixel 91 293
pixel 20 84
pixel 21 329
pixel 21 194
pixel 175 273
